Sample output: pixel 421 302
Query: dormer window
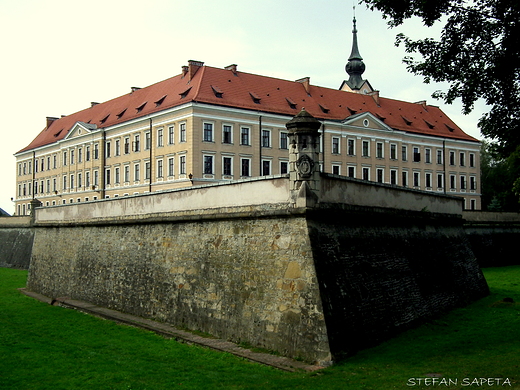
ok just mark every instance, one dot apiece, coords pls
pixel 255 97
pixel 324 108
pixel 351 110
pixel 121 114
pixel 140 108
pixel 217 91
pixel 185 93
pixel 449 127
pixel 291 103
pixel 430 126
pixel 104 119
pixel 408 121
pixel 160 101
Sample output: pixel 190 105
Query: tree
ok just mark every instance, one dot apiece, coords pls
pixel 478 54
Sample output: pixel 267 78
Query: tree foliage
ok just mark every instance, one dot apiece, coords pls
pixel 478 54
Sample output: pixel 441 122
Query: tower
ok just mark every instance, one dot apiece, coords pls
pixel 355 68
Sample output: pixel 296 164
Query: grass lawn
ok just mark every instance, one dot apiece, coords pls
pixel 49 347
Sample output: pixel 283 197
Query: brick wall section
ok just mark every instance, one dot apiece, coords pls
pixel 242 279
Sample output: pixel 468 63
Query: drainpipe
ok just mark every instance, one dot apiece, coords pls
pixel 444 163
pixel 103 152
pixel 151 154
pixel 33 173
pixel 260 136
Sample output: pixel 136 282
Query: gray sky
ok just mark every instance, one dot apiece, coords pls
pixel 60 55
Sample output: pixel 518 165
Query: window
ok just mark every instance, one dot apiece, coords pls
pixel 416 154
pixel 462 158
pixel 452 182
pixel 227 135
pixel 171 166
pixel 416 182
pixel 87 153
pixel 71 183
pixel 137 172
pixel 428 180
pixel 127 145
pixel 107 149
pixel 208 132
pixel 80 181
pixel 393 151
pixel 182 132
pixel 427 156
pixel 351 147
pixel 171 135
pixel 472 183
pixel 245 170
pixel 137 143
pixel 87 180
pixel 96 151
pixel 404 153
pixel 80 157
pixel 439 156
pixel 452 158
pixel 335 145
pixel 351 171
pixel 126 173
pixel 244 135
pixel 118 147
pixel 160 168
pixel 55 184
pixel 160 140
pixel 472 160
pixel 227 164
pixel 365 149
pixel 208 165
pixel 380 172
pixel 147 170
pixel 54 162
pixel 366 173
pixel 147 141
pixel 284 167
pixel 71 158
pixel 440 180
pixel 336 170
pixel 463 182
pixel 266 167
pixel 182 165
pixel 266 138
pixel 379 150
pixel 404 178
pixel 473 204
pixel 116 176
pixel 393 176
pixel 283 140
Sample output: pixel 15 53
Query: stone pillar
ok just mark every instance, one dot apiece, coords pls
pixel 304 151
pixel 34 204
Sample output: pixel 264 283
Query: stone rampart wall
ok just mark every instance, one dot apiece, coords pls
pixel 493 237
pixel 16 240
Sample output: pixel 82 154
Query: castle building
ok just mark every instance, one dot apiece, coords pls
pixel 208 124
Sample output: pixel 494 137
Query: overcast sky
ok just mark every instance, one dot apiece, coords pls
pixel 60 55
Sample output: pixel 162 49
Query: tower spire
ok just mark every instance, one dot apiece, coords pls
pixel 355 66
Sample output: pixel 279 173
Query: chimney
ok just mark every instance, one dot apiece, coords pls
pixel 423 104
pixel 306 81
pixel 135 89
pixel 185 69
pixel 232 68
pixel 375 96
pixel 193 67
pixel 50 119
pixel 92 104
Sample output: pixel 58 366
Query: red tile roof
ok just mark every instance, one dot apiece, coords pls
pixel 224 87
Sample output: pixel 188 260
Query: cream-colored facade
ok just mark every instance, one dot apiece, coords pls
pixel 194 144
